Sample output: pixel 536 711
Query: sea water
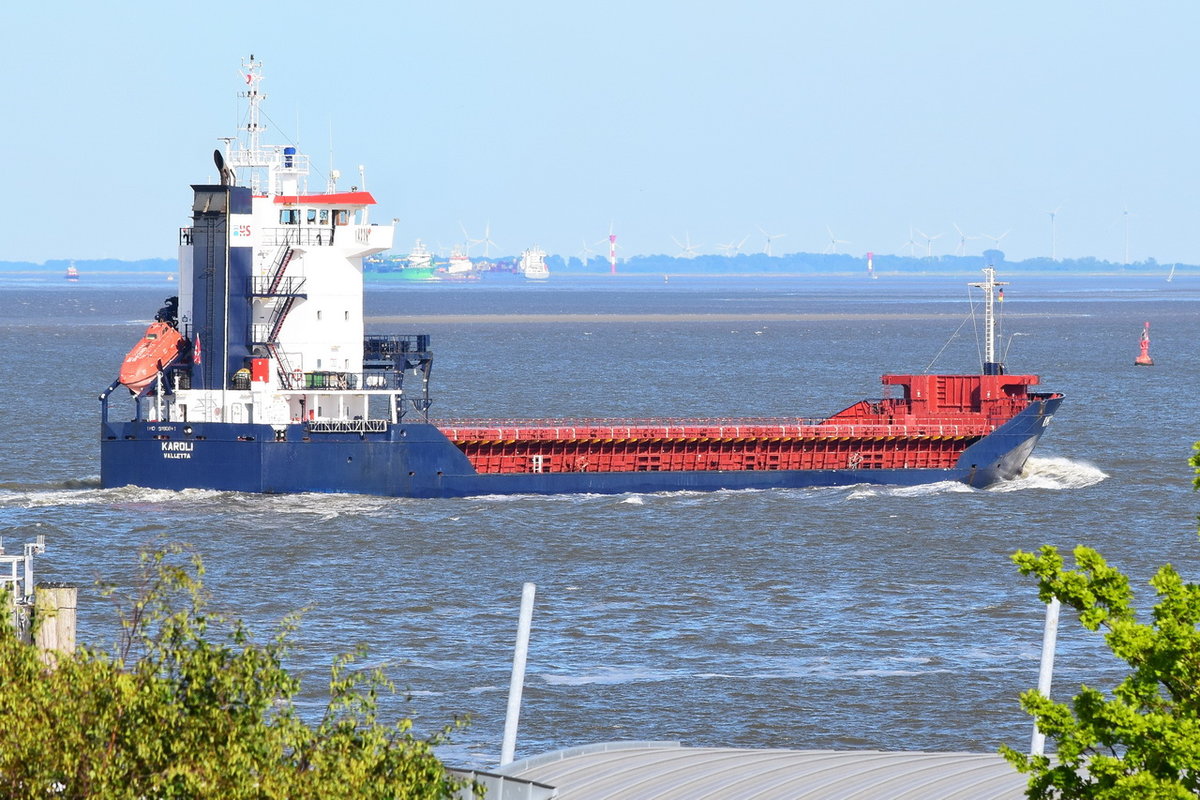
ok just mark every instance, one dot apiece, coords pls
pixel 855 617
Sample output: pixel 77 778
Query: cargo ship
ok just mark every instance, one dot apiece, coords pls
pixel 260 377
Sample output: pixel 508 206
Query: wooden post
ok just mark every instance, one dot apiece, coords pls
pixel 54 619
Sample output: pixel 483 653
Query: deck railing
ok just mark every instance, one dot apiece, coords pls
pixel 703 429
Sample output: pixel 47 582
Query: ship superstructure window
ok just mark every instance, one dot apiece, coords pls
pixel 312 216
pixel 341 216
pixel 289 216
pixel 324 216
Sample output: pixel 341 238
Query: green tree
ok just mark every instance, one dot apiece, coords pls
pixel 1143 741
pixel 191 707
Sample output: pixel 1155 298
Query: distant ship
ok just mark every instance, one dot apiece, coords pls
pixel 533 264
pixel 272 384
pixel 419 264
pixel 72 273
pixel 459 268
pixel 460 262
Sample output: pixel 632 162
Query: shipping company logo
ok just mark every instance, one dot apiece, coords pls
pixel 177 449
pixel 241 232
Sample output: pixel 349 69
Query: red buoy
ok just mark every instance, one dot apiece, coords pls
pixel 1144 359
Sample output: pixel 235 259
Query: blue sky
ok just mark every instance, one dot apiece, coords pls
pixel 550 121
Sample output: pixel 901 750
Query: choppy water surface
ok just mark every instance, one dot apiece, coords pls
pixel 817 618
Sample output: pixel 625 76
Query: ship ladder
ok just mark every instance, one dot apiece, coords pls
pixel 280 315
pixel 289 378
pixel 281 264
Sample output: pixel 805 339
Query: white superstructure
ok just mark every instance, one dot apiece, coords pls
pixel 460 262
pixel 301 302
pixel 533 264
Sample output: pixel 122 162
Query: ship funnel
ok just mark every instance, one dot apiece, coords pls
pixel 224 170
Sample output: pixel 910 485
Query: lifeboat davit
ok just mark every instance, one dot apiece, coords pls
pixel 160 345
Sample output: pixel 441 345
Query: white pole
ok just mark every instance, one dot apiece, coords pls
pixel 1037 745
pixel 509 747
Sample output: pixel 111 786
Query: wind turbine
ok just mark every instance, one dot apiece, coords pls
pixel 486 241
pixel 1053 250
pixel 910 244
pixel 996 239
pixel 686 248
pixel 769 236
pixel 732 249
pixel 961 250
pixel 585 255
pixel 833 242
pixel 467 237
pixel 929 242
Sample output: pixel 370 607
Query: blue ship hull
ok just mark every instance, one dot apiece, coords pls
pixel 417 460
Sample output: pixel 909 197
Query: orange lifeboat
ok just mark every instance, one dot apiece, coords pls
pixel 158 347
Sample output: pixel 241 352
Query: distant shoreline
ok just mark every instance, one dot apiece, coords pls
pixel 501 319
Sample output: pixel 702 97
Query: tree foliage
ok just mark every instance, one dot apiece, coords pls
pixel 1143 740
pixel 191 707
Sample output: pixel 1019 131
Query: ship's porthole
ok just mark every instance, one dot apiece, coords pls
pixel 187 430
pixel 349 459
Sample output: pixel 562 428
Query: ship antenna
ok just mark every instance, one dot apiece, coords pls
pixel 255 97
pixel 991 366
pixel 250 155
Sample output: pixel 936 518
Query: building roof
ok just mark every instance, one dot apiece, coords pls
pixel 668 771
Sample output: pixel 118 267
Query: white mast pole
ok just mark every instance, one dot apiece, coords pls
pixel 988 285
pixel 1037 745
pixel 509 746
pixel 989 315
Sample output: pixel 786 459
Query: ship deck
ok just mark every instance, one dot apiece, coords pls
pixel 498 447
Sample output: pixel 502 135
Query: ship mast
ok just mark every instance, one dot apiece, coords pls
pixel 989 284
pixel 250 155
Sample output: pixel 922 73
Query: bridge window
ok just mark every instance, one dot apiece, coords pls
pixel 341 216
pixel 312 216
pixel 289 216
pixel 324 216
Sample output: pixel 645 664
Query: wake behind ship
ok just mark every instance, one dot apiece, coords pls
pixel 260 377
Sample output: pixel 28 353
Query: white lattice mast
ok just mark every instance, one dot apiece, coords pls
pixel 989 285
pixel 250 155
